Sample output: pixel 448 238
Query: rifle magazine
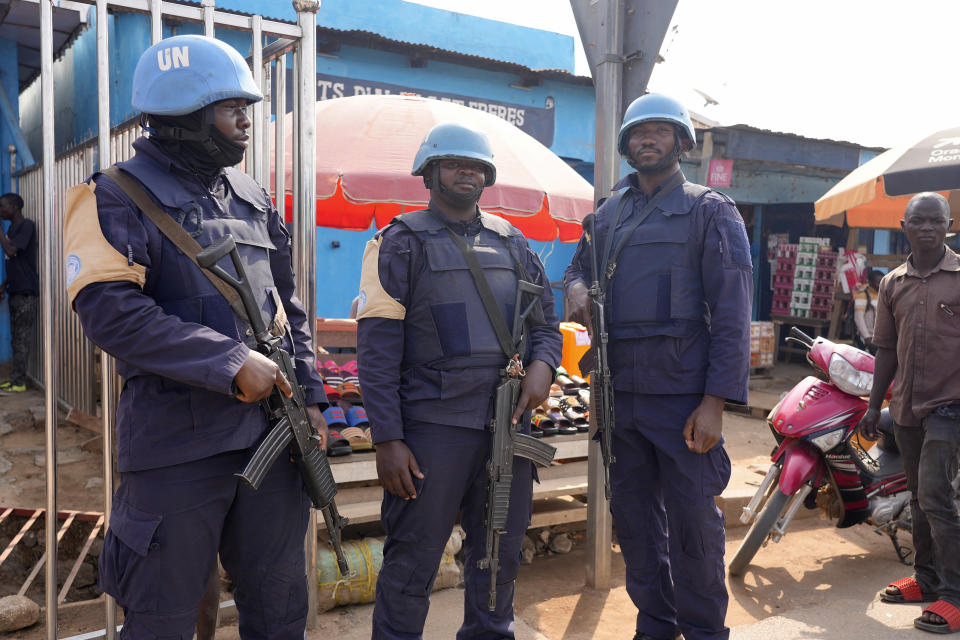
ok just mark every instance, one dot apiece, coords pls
pixel 532 449
pixel 266 454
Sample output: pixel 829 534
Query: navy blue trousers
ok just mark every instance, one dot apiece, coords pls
pixel 167 527
pixel 453 461
pixel 668 526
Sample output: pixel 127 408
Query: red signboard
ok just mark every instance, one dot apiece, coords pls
pixel 720 173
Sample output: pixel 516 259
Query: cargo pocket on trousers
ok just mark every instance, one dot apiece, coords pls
pixel 715 471
pixel 129 541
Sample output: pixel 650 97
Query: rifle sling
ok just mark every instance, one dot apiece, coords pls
pixel 609 262
pixel 174 232
pixel 486 296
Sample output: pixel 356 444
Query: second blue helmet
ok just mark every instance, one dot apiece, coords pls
pixel 182 74
pixel 655 107
pixel 453 140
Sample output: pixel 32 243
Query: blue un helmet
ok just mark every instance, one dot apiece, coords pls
pixel 655 107
pixel 183 74
pixel 452 140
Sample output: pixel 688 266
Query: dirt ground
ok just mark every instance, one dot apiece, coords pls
pixel 805 570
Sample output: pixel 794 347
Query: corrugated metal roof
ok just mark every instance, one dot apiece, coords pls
pixel 20 23
pixel 795 136
pixel 377 41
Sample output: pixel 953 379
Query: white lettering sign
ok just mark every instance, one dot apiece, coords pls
pixel 175 57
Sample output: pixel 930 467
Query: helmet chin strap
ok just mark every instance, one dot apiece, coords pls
pixel 462 199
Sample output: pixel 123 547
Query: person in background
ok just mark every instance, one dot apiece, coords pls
pixel 678 317
pixel 864 309
pixel 22 285
pixel 917 336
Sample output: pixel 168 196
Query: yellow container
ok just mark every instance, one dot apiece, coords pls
pixel 576 342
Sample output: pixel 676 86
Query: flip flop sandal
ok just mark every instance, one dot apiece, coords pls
pixel 562 372
pixel 568 386
pixel 552 404
pixel 351 392
pixel 337 445
pixel 584 396
pixel 945 610
pixel 369 433
pixel 328 368
pixel 541 421
pixel 350 368
pixel 334 380
pixel 909 592
pixel 332 394
pixel 580 382
pixel 577 420
pixel 570 403
pixel 564 426
pixel 357 439
pixel 556 391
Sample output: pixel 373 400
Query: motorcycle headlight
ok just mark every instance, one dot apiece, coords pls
pixel 848 378
pixel 828 441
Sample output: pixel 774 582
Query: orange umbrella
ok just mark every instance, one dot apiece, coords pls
pixel 365 151
pixel 875 194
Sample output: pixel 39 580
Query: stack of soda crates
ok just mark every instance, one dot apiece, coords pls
pixel 783 279
pixel 824 283
pixel 801 300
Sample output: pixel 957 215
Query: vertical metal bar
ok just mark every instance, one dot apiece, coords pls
pixel 306 238
pixel 607 81
pixel 280 161
pixel 255 156
pixel 208 7
pixel 107 363
pixel 13 167
pixel 156 21
pixel 757 252
pixel 295 215
pixel 48 240
pixel 267 90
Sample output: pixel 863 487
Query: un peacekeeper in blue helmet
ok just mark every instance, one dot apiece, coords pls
pixel 431 366
pixel 678 286
pixel 189 416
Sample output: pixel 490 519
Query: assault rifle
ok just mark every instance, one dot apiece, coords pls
pixel 507 441
pixel 596 361
pixel 288 416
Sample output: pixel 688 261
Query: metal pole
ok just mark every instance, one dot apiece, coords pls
pixel 266 89
pixel 255 159
pixel 107 363
pixel 48 239
pixel 208 7
pixel 156 21
pixel 306 236
pixel 607 81
pixel 13 167
pixel 280 160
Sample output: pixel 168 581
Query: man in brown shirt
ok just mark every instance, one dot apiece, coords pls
pixel 917 333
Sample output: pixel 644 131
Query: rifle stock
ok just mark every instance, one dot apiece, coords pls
pixel 288 416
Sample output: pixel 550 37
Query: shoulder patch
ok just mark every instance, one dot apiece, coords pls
pixel 374 301
pixel 88 256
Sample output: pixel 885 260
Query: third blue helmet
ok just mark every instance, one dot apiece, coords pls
pixel 655 107
pixel 182 74
pixel 453 140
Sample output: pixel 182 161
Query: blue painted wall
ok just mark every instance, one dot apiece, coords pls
pixel 570 105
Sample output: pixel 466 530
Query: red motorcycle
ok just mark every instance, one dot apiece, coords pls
pixel 819 461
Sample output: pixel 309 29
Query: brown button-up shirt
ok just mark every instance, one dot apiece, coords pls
pixel 918 315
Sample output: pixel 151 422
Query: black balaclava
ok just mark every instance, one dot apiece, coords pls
pixel 195 141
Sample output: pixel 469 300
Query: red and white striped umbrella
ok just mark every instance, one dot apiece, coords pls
pixel 365 150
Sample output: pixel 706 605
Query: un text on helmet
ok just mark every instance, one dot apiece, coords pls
pixel 175 57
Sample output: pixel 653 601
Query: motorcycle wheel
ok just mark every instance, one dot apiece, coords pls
pixel 758 532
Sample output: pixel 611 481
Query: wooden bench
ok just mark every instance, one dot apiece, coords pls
pixel 555 497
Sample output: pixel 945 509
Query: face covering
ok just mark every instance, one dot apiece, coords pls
pixel 194 140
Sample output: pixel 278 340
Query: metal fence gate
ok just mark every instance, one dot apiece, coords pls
pixel 64 362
